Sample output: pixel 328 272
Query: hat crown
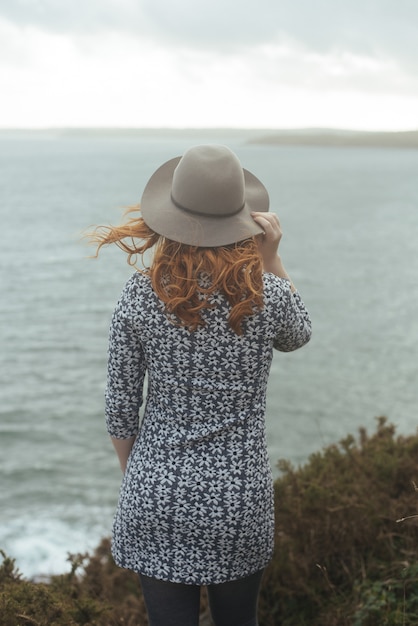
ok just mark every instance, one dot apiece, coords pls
pixel 204 198
pixel 209 180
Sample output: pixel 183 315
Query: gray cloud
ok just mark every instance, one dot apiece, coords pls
pixel 75 16
pixel 373 27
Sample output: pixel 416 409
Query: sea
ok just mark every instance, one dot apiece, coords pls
pixel 350 243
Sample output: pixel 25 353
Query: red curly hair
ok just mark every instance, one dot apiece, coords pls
pixel 234 270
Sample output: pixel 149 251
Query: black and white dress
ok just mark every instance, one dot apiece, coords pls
pixel 196 501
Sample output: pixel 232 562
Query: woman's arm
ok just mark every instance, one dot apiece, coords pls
pixel 125 376
pixel 295 325
pixel 123 449
pixel 268 245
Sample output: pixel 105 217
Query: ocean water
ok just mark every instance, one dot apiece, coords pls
pixel 350 221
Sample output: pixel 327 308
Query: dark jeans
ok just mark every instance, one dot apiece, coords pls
pixel 232 603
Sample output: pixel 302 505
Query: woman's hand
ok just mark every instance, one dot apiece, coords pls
pixel 268 244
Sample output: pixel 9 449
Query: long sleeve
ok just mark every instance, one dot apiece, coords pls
pixel 125 372
pixel 293 326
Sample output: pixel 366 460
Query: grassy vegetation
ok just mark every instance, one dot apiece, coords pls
pixel 342 557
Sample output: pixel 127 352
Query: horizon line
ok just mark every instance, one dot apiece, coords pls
pixel 283 129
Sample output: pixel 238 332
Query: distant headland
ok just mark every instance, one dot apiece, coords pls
pixel 339 138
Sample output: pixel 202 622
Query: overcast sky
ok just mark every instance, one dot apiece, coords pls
pixel 194 63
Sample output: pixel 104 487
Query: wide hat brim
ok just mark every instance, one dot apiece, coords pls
pixel 166 218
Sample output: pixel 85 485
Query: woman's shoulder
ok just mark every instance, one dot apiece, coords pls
pixel 275 285
pixel 139 284
pixel 138 280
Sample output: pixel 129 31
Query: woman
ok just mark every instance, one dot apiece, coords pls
pixel 196 501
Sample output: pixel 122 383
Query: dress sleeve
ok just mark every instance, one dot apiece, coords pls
pixel 295 327
pixel 125 371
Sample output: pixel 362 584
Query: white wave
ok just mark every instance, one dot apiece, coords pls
pixel 40 547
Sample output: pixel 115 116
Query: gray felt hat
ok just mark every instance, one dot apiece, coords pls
pixel 204 198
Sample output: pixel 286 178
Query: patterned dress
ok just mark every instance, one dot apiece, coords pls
pixel 196 501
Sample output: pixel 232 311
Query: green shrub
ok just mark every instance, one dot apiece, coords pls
pixel 95 592
pixel 62 602
pixel 342 556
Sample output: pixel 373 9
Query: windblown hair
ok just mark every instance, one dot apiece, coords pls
pixel 184 276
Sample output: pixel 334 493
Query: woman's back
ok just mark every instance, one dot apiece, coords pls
pixel 199 463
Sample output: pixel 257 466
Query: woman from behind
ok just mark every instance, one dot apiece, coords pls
pixel 196 502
